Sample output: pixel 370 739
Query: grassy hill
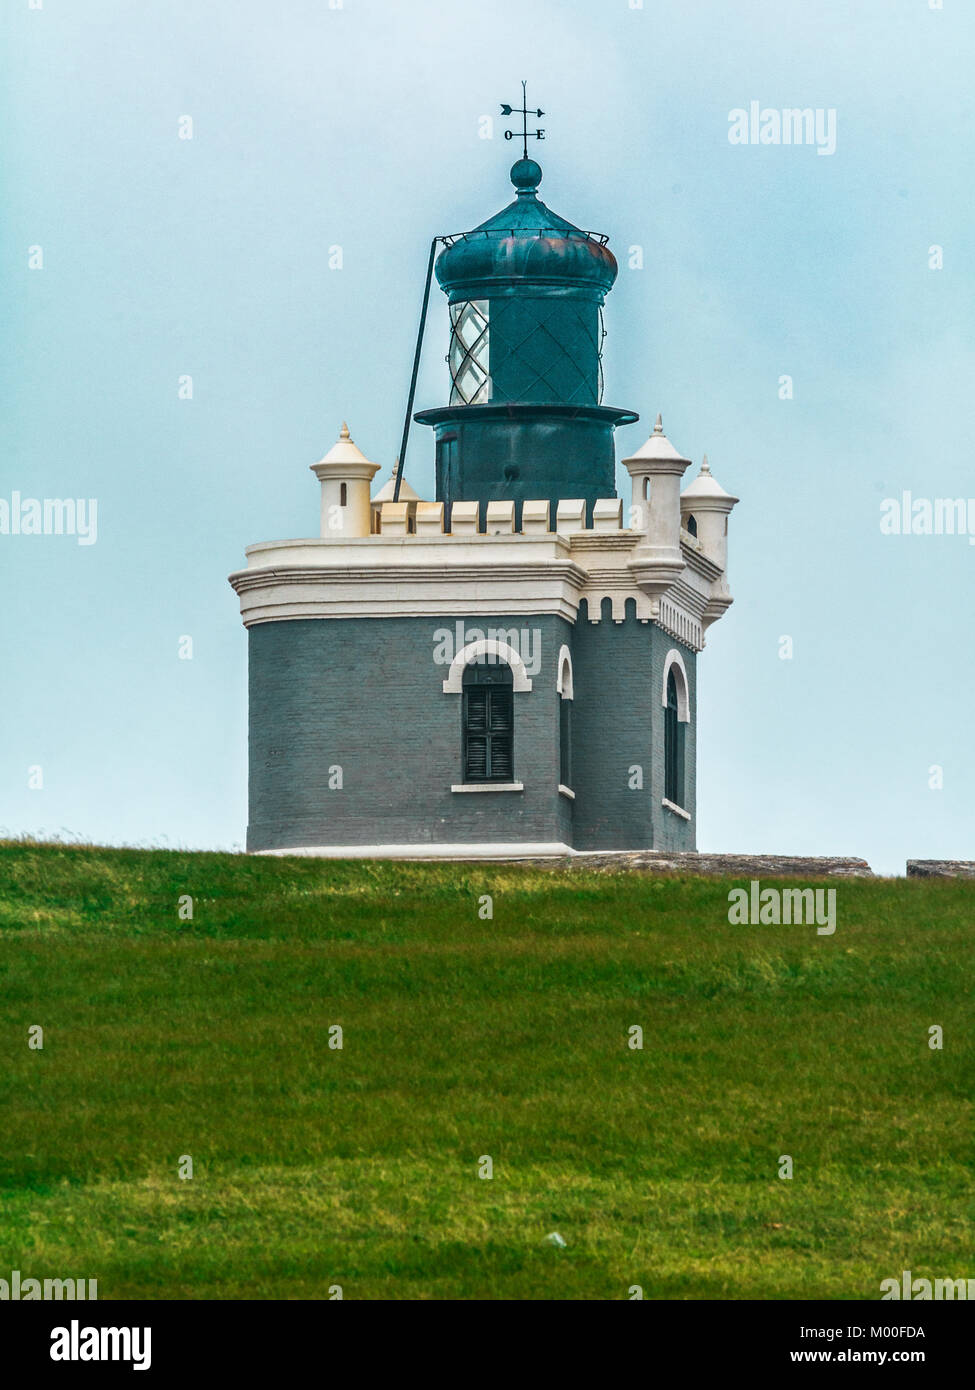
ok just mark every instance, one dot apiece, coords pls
pixel 465 1037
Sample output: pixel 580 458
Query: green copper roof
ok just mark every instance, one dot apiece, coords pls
pixel 525 241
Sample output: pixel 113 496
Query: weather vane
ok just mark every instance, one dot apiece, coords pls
pixel 524 113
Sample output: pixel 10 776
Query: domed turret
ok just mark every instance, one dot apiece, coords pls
pixel 525 291
pixel 705 508
pixel 345 474
pixel 656 470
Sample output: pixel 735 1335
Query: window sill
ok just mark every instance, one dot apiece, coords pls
pixel 677 810
pixel 488 787
pixel 567 791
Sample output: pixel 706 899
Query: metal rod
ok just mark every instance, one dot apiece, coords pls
pixel 416 369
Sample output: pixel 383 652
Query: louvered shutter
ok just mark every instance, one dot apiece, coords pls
pixel 475 734
pixel 501 724
pixel 476 770
pixel 477 709
pixel 488 733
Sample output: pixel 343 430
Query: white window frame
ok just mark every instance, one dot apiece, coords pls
pixel 563 686
pixel 472 653
pixel 674 659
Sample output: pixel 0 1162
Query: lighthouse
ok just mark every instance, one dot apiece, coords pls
pixel 508 668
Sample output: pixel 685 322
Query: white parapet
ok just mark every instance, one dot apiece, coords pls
pixel 534 517
pixel 464 518
pixel 395 518
pixel 571 515
pixel 381 558
pixel 500 518
pixel 426 519
pixel 607 514
pixel 429 518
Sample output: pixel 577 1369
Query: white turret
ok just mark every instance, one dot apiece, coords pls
pixel 346 476
pixel 656 470
pixel 704 510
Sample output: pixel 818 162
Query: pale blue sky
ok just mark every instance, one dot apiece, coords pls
pixel 359 127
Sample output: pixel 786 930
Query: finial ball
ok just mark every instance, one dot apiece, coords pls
pixel 526 175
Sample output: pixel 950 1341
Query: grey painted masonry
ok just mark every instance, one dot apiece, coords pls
pixel 618 724
pixel 366 696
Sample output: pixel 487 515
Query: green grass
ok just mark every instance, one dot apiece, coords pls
pixel 466 1037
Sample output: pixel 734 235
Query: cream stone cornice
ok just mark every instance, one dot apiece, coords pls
pixel 443 575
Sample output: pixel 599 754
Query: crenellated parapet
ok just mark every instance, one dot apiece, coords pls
pixel 666 565
pixel 497 518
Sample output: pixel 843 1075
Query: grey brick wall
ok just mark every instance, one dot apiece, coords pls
pixel 366 695
pixel 619 726
pixel 611 732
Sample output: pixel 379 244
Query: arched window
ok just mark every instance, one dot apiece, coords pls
pixel 488 723
pixel 563 685
pixel 677 714
pixel 692 524
pixel 673 746
pixel 343 494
